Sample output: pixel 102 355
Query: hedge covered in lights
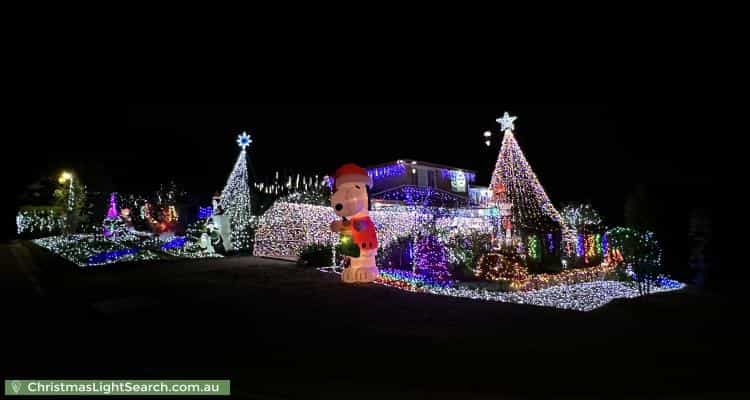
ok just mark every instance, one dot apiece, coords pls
pixel 286 228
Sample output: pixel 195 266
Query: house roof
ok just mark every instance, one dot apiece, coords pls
pixel 408 161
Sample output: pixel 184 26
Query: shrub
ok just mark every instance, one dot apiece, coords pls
pixel 464 252
pixel 397 254
pixel 315 255
pixel 641 251
pixel 504 265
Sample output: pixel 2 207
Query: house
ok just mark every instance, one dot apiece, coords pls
pixel 413 182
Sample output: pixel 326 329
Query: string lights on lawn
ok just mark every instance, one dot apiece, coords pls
pixel 583 296
pixel 93 250
pixel 182 247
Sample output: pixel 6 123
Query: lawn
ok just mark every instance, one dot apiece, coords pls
pixel 279 331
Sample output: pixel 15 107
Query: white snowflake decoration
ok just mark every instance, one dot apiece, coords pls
pixel 244 140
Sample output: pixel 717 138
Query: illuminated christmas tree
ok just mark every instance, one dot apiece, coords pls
pixel 235 199
pixel 532 209
pixel 113 226
pixel 430 257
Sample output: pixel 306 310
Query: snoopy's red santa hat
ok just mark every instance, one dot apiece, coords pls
pixel 351 173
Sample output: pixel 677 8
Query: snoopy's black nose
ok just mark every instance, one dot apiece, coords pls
pixel 339 207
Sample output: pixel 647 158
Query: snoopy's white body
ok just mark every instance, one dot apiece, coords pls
pixel 349 201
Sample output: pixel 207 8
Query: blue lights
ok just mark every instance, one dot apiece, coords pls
pixel 415 279
pixel 400 168
pixel 386 171
pixel 109 256
pixel 660 281
pixel 174 243
pixel 413 195
pixel 205 212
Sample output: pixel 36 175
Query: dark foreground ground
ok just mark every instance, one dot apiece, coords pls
pixel 281 332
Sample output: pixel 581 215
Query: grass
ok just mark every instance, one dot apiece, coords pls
pixel 279 331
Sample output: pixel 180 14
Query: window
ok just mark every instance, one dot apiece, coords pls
pixel 421 177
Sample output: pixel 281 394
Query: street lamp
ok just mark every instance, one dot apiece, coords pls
pixel 67 176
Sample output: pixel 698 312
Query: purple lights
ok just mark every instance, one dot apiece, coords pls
pixel 431 258
pixel 112 212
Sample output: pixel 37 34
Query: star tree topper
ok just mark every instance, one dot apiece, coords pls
pixel 506 122
pixel 244 140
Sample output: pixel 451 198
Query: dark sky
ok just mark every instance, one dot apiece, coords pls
pixel 595 152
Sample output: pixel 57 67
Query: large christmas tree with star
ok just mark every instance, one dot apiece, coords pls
pixel 235 198
pixel 532 208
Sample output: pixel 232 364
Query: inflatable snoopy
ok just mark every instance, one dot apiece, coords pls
pixel 359 240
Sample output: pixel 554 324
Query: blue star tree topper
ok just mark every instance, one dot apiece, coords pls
pixel 244 140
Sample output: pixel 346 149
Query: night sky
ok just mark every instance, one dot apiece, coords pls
pixel 580 152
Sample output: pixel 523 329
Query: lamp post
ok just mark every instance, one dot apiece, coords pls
pixel 67 176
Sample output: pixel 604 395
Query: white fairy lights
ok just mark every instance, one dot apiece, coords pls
pixel 287 227
pixel 506 122
pixel 585 296
pixel 92 250
pixel 532 208
pixel 235 198
pixel 44 221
